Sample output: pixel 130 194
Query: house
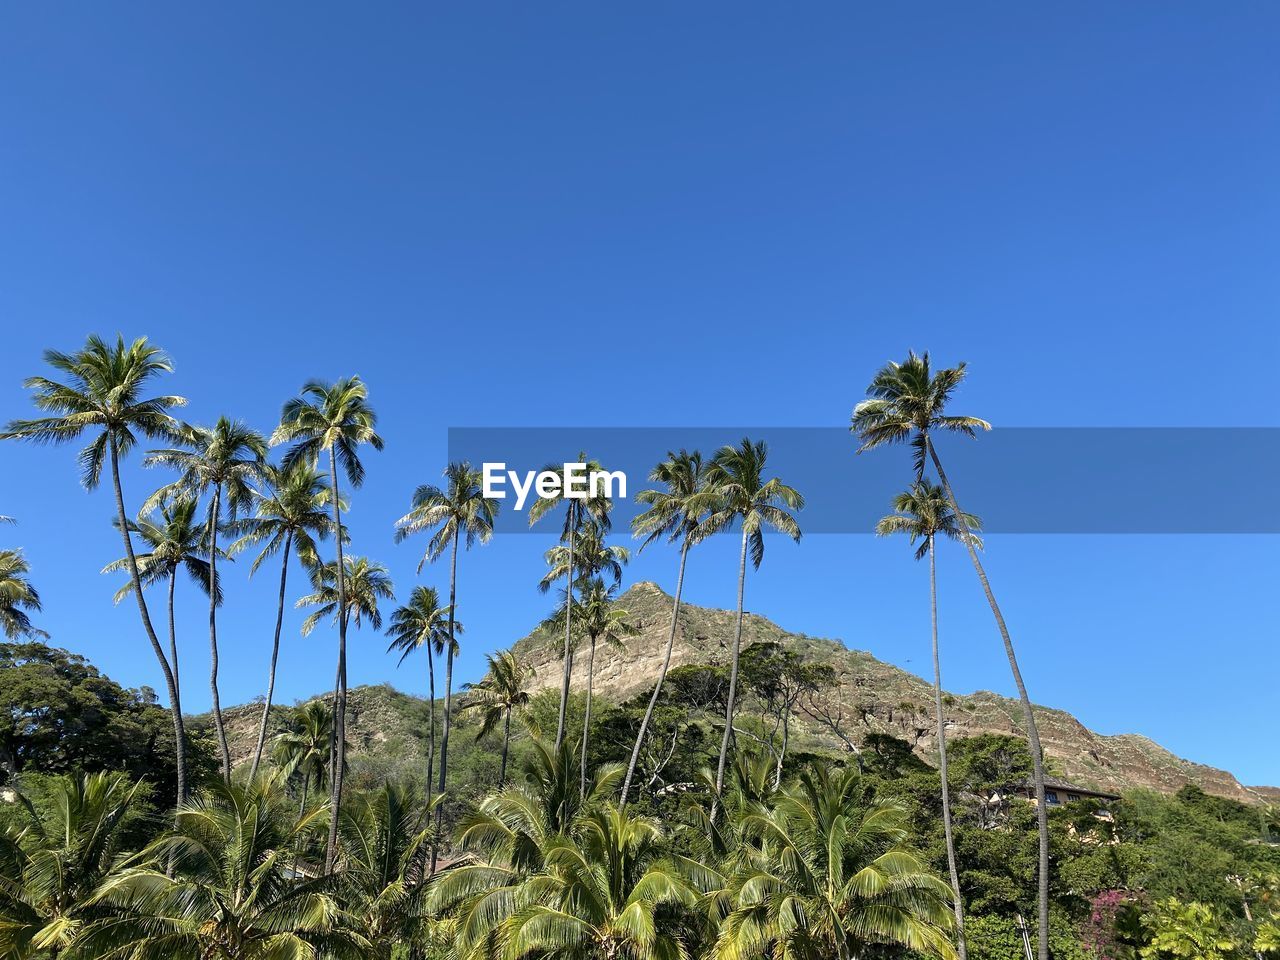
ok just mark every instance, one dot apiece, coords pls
pixel 1057 792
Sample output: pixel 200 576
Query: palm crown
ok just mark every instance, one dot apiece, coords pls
pixel 103 391
pixel 673 512
pixel 293 507
pixel 333 417
pixel 420 622
pixel 227 457
pixel 367 582
pixel 501 690
pixel 737 489
pixel 178 540
pixel 922 511
pixel 459 509
pixel 17 597
pixel 906 402
pixel 592 557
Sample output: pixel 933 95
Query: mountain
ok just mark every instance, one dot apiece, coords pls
pixel 877 696
pixel 871 696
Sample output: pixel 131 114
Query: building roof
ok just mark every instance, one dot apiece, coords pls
pixel 1065 786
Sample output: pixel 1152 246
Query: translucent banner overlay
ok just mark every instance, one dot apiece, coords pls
pixel 1130 480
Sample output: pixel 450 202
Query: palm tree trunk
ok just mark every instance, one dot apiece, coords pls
pixel 275 655
pixel 340 700
pixel 586 717
pixel 215 511
pixel 786 739
pixel 942 755
pixel 431 722
pixel 506 742
pixel 662 675
pixel 733 680
pixel 173 632
pixel 170 680
pixel 568 615
pixel 448 687
pixel 1033 732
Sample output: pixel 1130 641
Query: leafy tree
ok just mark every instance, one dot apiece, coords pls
pixel 334 418
pixel 907 403
pixel 922 513
pixel 17 597
pixel 499 694
pixel 54 870
pixel 779 678
pixel 232 896
pixel 1185 930
pixel 290 516
pixel 737 490
pixel 673 513
pixel 178 541
pixel 595 505
pixel 224 459
pixel 103 394
pixel 58 714
pixel 458 513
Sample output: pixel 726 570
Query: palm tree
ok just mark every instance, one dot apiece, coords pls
pixel 508 836
pixel 457 513
pixel 336 419
pixel 672 513
pixel 178 541
pixel 736 490
pixel 367 582
pixel 383 839
pixel 592 557
pixel 234 896
pixel 17 596
pixel 303 748
pixel 57 863
pixel 599 894
pixel 223 459
pixel 923 513
pixel 597 617
pixel 423 624
pixel 290 516
pixel 826 873
pixel 908 404
pixel 104 395
pixel 577 508
pixel 498 695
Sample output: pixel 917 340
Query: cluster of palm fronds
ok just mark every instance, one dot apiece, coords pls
pixel 821 868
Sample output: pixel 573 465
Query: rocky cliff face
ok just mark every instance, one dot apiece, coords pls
pixel 875 696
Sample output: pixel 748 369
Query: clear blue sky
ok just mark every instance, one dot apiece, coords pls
pixel 707 214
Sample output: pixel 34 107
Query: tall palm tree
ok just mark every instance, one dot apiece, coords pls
pixel 178 541
pixel 58 863
pixel 458 513
pixel 423 623
pixel 592 557
pixel 498 695
pixel 908 404
pixel 923 514
pixel 597 617
pixel 673 513
pixel 103 395
pixel 291 516
pixel 337 419
pixel 577 509
pixel 17 597
pixel 225 459
pixel 827 872
pixel 233 894
pixel 737 491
